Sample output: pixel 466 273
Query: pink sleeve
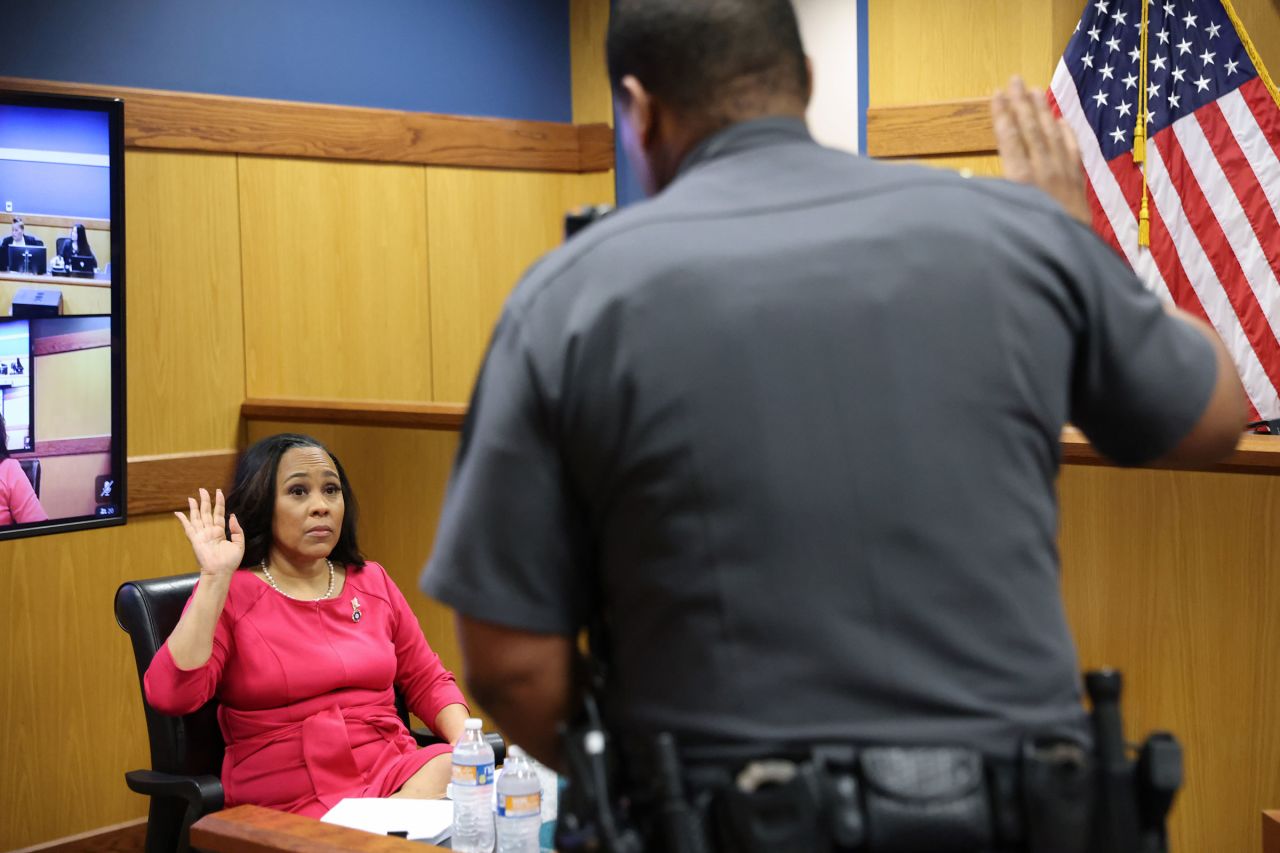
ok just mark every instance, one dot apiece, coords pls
pixel 427 686
pixel 175 691
pixel 24 506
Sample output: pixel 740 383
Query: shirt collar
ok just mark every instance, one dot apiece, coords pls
pixel 745 136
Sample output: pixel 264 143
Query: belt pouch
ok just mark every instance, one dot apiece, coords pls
pixel 785 817
pixel 925 800
pixel 1058 790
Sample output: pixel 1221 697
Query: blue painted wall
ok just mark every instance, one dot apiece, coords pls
pixel 55 189
pixel 506 58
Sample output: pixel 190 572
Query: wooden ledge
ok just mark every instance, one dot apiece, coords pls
pixel 253 829
pixel 189 121
pixel 1255 454
pixel 924 130
pixel 442 416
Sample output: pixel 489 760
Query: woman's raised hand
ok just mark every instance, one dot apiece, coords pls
pixel 218 556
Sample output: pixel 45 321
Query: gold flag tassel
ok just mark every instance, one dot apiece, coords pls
pixel 1140 132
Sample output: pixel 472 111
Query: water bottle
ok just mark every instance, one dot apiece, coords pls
pixel 472 791
pixel 519 805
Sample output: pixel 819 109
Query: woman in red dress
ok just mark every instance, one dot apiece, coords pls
pixel 301 640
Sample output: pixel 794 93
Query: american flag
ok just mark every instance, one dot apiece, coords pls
pixel 1212 163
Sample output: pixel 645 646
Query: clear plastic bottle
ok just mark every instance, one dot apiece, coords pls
pixel 519 804
pixel 472 791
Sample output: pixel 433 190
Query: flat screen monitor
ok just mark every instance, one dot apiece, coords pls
pixel 62 367
pixel 27 260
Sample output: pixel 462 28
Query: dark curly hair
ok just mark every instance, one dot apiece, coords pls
pixel 253 499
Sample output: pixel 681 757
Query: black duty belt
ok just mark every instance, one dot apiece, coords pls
pixel 842 797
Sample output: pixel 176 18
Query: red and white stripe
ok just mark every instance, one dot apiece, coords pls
pixel 1213 179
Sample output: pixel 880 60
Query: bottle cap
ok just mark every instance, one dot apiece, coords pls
pixel 514 751
pixel 474 723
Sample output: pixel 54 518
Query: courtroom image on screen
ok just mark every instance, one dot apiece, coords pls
pixel 55 211
pixel 68 458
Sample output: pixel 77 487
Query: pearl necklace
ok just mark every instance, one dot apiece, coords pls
pixel 327 593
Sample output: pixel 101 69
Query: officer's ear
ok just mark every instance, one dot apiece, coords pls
pixel 637 106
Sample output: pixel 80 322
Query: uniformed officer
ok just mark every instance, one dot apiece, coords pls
pixel 791 426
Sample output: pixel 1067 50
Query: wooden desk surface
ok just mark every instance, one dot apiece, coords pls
pixel 253 829
pixel 55 280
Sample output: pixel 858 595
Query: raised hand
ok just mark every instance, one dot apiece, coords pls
pixel 218 556
pixel 1038 149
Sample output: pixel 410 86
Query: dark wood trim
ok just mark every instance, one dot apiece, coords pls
pixel 1255 454
pixel 127 837
pixel 253 829
pixel 595 148
pixel 185 121
pixel 163 483
pixel 443 416
pixel 71 342
pixel 1271 832
pixel 923 130
pixel 68 447
pixel 46 220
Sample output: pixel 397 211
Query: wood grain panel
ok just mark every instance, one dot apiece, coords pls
pixel 215 123
pixel 163 483
pixel 127 837
pixel 252 829
pixel 923 51
pixel 71 702
pixel 76 298
pixel 399 477
pixel 185 331
pixel 1261 19
pixel 1170 576
pixel 921 130
pixel 447 416
pixel 335 280
pixel 486 228
pixel 592 97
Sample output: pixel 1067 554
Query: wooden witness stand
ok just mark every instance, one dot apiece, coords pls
pixel 253 829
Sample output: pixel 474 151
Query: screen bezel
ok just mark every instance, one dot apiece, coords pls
pixel 114 109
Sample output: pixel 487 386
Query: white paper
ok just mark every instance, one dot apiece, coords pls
pixel 424 820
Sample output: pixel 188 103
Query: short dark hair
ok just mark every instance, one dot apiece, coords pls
pixel 697 55
pixel 4 440
pixel 253 499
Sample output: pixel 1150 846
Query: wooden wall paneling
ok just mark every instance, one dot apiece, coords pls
pixel 588 25
pixel 335 280
pixel 185 328
pixel 399 477
pixel 187 121
pixel 163 483
pixel 1170 576
pixel 82 299
pixel 486 228
pixel 940 50
pixel 66 483
pixel 446 416
pixel 71 703
pixel 1261 19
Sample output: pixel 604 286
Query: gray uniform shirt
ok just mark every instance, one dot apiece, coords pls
pixel 793 426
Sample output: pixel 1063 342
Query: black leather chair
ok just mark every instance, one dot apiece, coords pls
pixel 186 752
pixel 31 467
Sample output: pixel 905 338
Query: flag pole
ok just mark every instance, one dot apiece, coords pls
pixel 1140 132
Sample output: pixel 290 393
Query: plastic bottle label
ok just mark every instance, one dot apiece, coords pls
pixel 520 805
pixel 473 774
